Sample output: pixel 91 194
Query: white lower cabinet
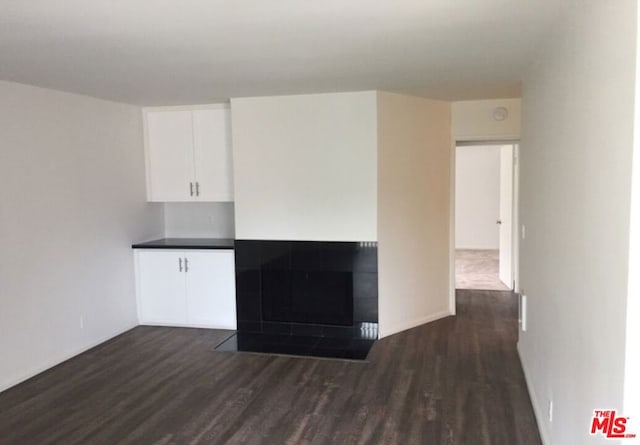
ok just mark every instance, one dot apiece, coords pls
pixel 186 288
pixel 161 287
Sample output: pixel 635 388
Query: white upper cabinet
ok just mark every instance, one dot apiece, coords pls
pixel 188 153
pixel 170 166
pixel 212 154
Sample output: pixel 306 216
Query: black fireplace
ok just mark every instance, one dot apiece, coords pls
pixel 307 296
pixel 322 291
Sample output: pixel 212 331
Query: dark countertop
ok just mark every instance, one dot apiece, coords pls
pixel 187 243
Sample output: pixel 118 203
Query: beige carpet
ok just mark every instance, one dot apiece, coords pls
pixel 478 269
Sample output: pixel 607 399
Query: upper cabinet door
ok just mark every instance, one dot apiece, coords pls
pixel 170 162
pixel 212 153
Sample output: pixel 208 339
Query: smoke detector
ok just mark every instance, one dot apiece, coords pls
pixel 500 114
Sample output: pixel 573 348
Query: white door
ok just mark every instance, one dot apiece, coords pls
pixel 211 289
pixel 170 155
pixel 162 287
pixel 506 215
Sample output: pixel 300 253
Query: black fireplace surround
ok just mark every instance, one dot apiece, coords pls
pixel 312 288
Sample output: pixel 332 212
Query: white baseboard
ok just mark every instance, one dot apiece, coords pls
pixel 534 402
pixel 233 327
pixel 476 248
pixel 51 363
pixel 385 330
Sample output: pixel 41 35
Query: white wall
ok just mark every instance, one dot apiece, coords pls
pixel 199 220
pixel 72 200
pixel 472 120
pixel 632 362
pixel 477 197
pixel 414 143
pixel 575 193
pixel 305 167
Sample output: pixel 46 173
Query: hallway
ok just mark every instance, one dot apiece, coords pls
pixel 478 269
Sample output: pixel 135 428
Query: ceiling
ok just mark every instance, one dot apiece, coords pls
pixel 196 51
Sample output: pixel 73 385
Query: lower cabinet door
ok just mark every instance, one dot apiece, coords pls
pixel 161 287
pixel 211 289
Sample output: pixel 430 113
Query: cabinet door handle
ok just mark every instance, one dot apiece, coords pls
pixel 180 264
pixel 197 188
pixel 186 265
pixel 191 188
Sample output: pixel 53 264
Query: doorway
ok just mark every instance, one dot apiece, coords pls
pixel 485 216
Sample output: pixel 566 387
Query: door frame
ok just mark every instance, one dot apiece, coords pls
pixel 506 227
pixel 515 248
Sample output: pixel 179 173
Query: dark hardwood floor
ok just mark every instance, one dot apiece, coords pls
pixel 454 381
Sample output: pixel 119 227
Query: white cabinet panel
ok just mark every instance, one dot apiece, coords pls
pixel 188 153
pixel 170 168
pixel 211 294
pixel 186 287
pixel 212 153
pixel 161 287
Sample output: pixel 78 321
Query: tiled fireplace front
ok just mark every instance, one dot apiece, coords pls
pixel 306 297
